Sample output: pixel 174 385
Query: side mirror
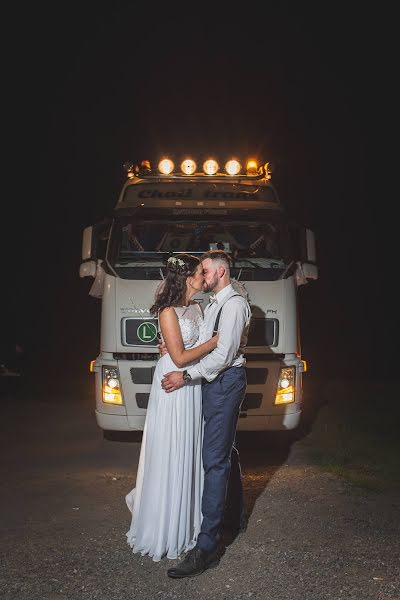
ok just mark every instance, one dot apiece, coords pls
pixel 88 268
pixel 98 284
pixel 304 272
pixel 310 271
pixel 303 254
pixel 310 246
pixel 87 245
pixel 95 239
pixel 302 244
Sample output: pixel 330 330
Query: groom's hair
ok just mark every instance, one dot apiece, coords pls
pixel 218 256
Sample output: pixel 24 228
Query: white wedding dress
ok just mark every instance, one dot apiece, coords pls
pixel 166 502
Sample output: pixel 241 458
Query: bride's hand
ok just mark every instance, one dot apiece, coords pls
pixel 162 348
pixel 210 344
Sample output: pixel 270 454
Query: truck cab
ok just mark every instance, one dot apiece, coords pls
pixel 164 211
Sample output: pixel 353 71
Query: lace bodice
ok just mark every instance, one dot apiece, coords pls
pixel 190 321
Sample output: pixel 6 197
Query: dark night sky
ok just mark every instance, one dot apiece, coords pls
pixel 303 89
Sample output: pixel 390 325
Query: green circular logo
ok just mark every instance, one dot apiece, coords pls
pixel 147 332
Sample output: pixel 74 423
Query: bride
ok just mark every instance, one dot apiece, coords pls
pixel 166 502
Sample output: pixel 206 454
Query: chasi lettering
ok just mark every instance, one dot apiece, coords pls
pixel 227 195
pixel 187 193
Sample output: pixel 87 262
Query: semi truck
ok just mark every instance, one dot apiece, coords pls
pixel 176 207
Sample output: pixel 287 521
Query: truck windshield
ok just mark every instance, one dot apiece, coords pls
pixel 139 248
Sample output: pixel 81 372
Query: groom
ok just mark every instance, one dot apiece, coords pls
pixel 223 390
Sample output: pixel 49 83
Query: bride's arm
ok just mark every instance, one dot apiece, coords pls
pixel 171 333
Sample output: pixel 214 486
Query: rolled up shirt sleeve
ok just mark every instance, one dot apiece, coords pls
pixel 232 324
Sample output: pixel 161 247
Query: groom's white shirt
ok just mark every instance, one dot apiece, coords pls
pixel 233 332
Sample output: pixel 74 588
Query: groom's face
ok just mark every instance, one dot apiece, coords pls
pixel 210 272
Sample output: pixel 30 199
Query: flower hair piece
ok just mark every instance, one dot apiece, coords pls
pixel 176 265
pixel 175 261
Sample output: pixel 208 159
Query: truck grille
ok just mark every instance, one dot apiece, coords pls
pixel 142 375
pixel 256 376
pixel 250 401
pixel 142 400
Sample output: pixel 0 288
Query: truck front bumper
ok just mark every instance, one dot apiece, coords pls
pixel 107 421
pixel 268 422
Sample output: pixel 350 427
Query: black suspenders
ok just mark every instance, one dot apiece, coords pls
pixel 216 324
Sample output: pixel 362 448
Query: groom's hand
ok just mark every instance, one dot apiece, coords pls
pixel 172 381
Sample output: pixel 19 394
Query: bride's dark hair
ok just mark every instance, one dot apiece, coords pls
pixel 171 293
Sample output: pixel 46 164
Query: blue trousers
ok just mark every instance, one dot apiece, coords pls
pixel 222 399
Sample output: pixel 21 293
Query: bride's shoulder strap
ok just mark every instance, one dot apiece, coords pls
pixel 199 307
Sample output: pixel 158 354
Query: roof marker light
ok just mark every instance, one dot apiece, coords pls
pixel 210 167
pixel 165 166
pixel 188 166
pixel 130 169
pixel 251 167
pixel 233 167
pixel 145 166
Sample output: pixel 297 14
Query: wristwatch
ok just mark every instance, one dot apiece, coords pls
pixel 186 377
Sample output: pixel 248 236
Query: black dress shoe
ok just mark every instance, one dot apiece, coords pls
pixel 195 562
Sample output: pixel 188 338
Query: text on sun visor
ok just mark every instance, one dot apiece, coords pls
pixel 187 194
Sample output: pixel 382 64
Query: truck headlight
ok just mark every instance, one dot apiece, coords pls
pixel 285 392
pixel 111 386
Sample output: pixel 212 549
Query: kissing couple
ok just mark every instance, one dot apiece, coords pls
pixel 188 458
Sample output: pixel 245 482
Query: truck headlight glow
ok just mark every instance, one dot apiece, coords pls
pixel 285 392
pixel 111 386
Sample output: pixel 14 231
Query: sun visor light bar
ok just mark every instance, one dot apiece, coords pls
pixel 210 167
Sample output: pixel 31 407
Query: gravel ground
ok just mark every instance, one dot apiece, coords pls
pixel 311 536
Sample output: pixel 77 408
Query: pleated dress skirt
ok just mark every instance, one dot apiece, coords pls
pixel 166 501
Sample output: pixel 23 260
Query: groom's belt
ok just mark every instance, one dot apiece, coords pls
pixel 204 380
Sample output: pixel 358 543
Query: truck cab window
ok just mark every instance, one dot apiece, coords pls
pixel 140 246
